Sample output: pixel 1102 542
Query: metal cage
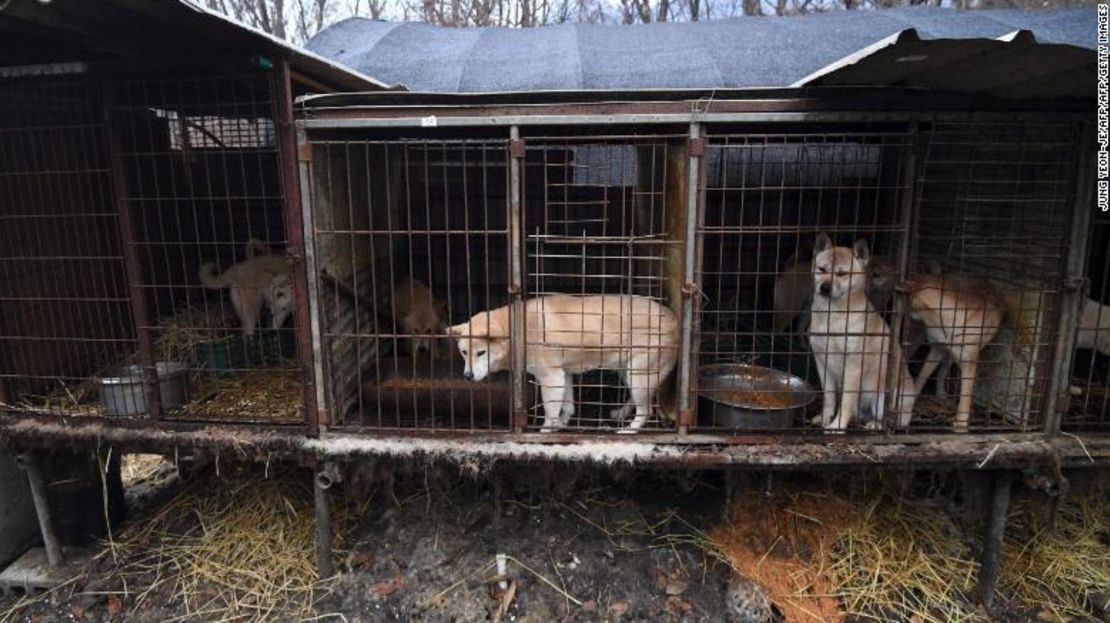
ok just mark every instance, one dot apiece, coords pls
pixel 716 225
pixel 119 189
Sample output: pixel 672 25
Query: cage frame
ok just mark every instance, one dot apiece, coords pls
pixel 699 118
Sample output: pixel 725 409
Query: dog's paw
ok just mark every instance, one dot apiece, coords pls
pixel 817 420
pixel 830 430
pixel 959 428
pixel 627 431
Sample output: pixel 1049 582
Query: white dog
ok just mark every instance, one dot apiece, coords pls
pixel 851 342
pixel 567 335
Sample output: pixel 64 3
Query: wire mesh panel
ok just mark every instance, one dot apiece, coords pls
pixel 991 237
pixel 411 241
pixel 64 305
pixel 603 219
pixel 1090 383
pixel 802 237
pixel 202 189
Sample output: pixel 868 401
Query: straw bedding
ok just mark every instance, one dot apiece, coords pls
pixel 272 392
pixel 880 557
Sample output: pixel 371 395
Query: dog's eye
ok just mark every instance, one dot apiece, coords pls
pixel 480 353
pixel 822 269
pixel 841 273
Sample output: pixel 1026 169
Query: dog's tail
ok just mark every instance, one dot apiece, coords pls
pixel 210 279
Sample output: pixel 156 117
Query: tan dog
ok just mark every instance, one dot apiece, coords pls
pixel 418 313
pixel 794 288
pixel 567 335
pixel 261 279
pixel 851 342
pixel 961 316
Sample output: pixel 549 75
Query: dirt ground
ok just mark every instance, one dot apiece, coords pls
pixel 417 542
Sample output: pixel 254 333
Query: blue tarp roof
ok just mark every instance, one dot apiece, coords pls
pixel 730 53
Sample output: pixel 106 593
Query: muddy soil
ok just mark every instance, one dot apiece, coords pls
pixel 424 547
pixel 607 552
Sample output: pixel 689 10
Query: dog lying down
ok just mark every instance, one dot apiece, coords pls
pixel 568 334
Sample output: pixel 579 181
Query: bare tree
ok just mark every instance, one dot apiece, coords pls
pixel 299 20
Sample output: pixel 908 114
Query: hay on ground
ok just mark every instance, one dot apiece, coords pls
pixel 1058 569
pixel 903 560
pixel 272 393
pixel 228 547
pixel 782 542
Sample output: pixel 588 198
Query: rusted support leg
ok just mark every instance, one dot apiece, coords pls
pixel 992 539
pixel 326 476
pixel 30 463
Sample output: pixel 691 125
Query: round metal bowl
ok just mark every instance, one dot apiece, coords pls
pixel 740 395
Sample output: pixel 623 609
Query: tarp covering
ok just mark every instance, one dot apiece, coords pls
pixel 730 53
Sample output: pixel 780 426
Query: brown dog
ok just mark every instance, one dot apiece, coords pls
pixel 262 279
pixel 961 315
pixel 418 313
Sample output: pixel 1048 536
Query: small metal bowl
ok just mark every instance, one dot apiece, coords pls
pixel 740 395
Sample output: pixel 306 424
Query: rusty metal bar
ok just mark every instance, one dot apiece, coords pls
pixel 687 367
pixel 312 270
pixel 517 330
pixel 1072 298
pixel 898 357
pixel 991 561
pixel 39 496
pixel 322 483
pixel 128 240
pixel 296 249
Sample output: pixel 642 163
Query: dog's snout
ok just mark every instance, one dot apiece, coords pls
pixel 825 289
pixel 468 375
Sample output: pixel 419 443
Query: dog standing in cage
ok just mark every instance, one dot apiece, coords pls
pixel 261 279
pixel 852 343
pixel 961 315
pixel 570 334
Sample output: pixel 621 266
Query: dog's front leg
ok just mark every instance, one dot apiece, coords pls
pixel 828 387
pixel 567 411
pixel 850 391
pixel 553 390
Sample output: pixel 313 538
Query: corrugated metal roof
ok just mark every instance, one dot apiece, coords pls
pixel 93 30
pixel 732 53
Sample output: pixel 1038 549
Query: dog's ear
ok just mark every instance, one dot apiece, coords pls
pixel 459 330
pixel 862 251
pixel 823 242
pixel 441 309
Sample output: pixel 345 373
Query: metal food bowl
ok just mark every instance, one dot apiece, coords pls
pixel 740 395
pixel 124 395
